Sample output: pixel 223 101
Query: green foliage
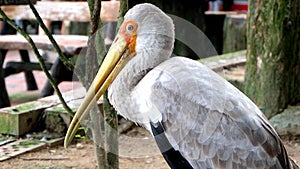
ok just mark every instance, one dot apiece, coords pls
pixel 81 135
pixel 26 144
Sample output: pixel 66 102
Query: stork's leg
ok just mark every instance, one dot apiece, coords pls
pixel 174 158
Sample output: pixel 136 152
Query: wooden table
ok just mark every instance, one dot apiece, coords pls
pixel 69 44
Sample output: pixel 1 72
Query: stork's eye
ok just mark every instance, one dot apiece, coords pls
pixel 129 28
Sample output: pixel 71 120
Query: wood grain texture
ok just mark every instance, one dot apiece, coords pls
pixel 59 11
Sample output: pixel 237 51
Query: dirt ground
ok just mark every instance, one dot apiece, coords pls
pixel 137 150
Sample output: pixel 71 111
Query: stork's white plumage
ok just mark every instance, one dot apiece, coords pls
pixel 198 119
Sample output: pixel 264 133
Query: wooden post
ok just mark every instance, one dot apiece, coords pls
pixel 214 29
pixel 30 80
pixel 234 31
pixel 4 100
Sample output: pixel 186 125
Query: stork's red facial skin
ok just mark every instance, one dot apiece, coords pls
pixel 129 31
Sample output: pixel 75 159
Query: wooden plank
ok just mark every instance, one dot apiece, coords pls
pixel 15 2
pixel 64 11
pixel 19 147
pixel 22 146
pixel 74 94
pixel 220 12
pixel 71 44
pixel 6 139
pixel 57 118
pixel 20 119
pixel 17 67
pixel 219 62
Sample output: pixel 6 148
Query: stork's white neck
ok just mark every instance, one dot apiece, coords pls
pixel 150 52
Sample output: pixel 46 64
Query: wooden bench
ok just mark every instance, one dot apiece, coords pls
pixel 69 44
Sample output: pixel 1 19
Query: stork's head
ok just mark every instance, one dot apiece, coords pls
pixel 152 25
pixel 145 27
pixel 145 32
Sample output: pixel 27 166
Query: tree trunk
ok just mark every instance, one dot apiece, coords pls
pixel 273 59
pixel 105 135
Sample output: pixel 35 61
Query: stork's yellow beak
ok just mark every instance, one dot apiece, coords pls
pixel 121 51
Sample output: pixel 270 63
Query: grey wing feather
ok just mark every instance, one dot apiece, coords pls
pixel 210 122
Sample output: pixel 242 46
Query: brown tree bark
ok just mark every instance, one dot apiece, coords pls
pixel 273 59
pixel 96 49
pixel 105 134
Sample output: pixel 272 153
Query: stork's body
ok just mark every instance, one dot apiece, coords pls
pixel 190 110
pixel 210 122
